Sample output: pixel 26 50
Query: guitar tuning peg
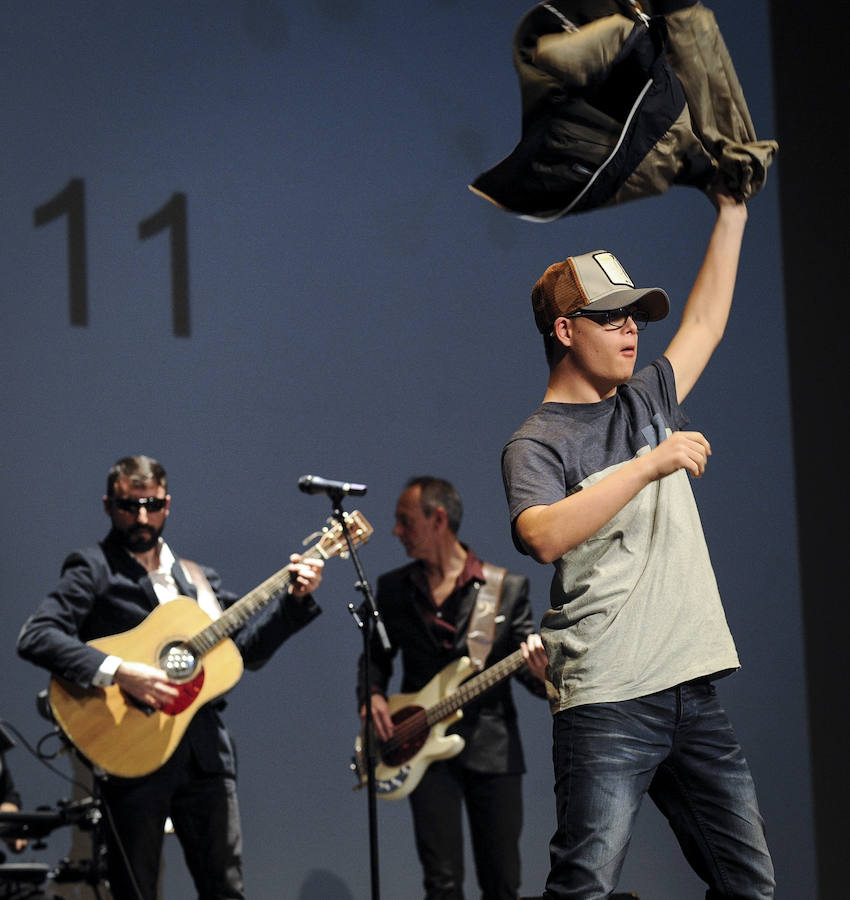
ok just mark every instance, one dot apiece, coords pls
pixel 310 538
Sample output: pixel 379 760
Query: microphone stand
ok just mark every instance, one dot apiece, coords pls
pixel 368 620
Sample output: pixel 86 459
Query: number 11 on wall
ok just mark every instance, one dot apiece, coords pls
pixel 70 202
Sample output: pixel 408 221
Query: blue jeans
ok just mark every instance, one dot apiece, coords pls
pixel 678 746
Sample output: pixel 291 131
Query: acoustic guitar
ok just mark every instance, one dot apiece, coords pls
pixel 127 738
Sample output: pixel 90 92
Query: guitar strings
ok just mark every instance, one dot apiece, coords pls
pixel 409 727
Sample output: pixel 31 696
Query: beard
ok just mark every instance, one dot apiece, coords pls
pixel 140 538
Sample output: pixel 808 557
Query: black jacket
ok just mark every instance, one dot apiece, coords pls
pixel 618 105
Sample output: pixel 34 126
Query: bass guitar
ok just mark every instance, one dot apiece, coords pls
pixel 127 738
pixel 420 721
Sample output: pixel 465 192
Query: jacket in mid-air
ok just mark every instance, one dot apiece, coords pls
pixel 620 103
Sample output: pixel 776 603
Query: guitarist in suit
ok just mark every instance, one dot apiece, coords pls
pixel 111 588
pixel 427 607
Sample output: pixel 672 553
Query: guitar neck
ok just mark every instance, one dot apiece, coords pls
pixel 472 688
pixel 234 617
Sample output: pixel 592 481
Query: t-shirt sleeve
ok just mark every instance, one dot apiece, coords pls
pixel 533 475
pixel 667 392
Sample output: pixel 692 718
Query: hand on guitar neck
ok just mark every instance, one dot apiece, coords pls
pixel 535 656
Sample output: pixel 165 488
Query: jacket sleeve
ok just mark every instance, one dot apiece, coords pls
pixel 581 57
pixel 50 638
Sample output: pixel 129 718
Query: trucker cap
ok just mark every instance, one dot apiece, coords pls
pixel 591 281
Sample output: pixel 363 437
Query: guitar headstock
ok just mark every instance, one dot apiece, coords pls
pixel 332 541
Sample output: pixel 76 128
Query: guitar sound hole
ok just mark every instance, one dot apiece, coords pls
pixel 410 733
pixel 178 662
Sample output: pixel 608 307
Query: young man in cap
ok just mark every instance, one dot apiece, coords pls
pixel 597 483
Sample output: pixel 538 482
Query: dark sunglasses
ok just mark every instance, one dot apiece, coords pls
pixel 134 504
pixel 612 319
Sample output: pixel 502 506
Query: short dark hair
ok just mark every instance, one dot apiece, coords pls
pixel 439 492
pixel 138 470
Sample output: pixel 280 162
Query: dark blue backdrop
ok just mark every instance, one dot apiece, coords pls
pixel 356 313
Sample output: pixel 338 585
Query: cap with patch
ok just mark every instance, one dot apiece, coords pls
pixel 593 280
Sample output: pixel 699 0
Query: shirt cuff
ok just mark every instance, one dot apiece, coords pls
pixel 105 674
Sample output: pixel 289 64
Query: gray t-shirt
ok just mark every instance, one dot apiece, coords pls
pixel 635 608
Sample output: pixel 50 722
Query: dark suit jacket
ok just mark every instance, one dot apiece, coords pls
pixel 489 723
pixel 103 590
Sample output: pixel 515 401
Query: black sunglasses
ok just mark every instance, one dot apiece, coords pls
pixel 134 504
pixel 612 319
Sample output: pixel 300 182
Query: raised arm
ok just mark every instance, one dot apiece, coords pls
pixel 707 309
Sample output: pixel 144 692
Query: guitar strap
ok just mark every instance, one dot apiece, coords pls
pixel 479 640
pixel 207 599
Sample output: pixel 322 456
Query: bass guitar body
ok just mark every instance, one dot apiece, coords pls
pixel 417 741
pixel 116 732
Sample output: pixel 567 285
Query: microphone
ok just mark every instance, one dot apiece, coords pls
pixel 313 484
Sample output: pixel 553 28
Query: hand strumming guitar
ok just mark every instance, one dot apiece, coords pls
pixel 380 716
pixel 146 683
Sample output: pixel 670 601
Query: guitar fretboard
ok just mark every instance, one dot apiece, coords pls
pixel 234 617
pixel 470 689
